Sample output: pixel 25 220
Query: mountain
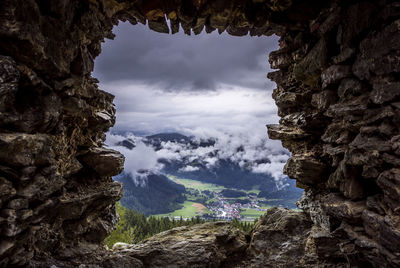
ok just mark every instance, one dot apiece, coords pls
pixel 206 161
pixel 225 173
pixel 157 140
pixel 157 195
pixel 128 143
pixel 173 137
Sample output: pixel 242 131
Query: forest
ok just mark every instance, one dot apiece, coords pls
pixel 134 226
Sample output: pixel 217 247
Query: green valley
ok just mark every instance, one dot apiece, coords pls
pixel 216 202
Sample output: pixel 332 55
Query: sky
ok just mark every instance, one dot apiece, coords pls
pixel 208 85
pixel 187 83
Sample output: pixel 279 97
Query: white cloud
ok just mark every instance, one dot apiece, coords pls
pixel 189 169
pixel 259 155
pixel 141 157
pixel 274 168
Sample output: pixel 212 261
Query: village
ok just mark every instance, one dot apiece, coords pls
pixel 214 202
pixel 225 209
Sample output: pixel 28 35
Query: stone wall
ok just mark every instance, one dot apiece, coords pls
pixel 338 97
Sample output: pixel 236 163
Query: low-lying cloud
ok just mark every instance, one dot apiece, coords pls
pixel 261 156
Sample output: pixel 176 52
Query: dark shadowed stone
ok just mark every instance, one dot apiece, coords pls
pixel 159 25
pixel 336 179
pixel 391 159
pixel 19 149
pixel 40 187
pixel 6 189
pixel 106 162
pixel 121 261
pixel 327 246
pixel 355 106
pixel 14 215
pixel 74 105
pixel 395 142
pixel 349 87
pixel 377 115
pixel 357 157
pixel 6 244
pixel 286 99
pixel 382 229
pixel 335 152
pixel 279 239
pixel 280 59
pixel 371 143
pixel 389 182
pixel 310 68
pixel 374 203
pixel 347 180
pixel 377 53
pixel 344 55
pixel 384 91
pixel 281 132
pixel 329 22
pixel 334 74
pixel 305 169
pixel 72 207
pixel 102 120
pixel 338 133
pixel 323 99
pixel 18 203
pixel 9 77
pixel 237 31
pixel 359 16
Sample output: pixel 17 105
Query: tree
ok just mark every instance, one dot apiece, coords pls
pixel 134 227
pixel 123 232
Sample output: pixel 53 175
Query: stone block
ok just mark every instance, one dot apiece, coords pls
pixel 106 162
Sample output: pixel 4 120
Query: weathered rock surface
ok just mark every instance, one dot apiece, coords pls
pixel 105 162
pixel 279 239
pixel 337 93
pixel 205 245
pixel 349 168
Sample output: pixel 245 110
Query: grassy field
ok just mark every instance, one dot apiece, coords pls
pixel 251 213
pixel 236 198
pixel 189 210
pixel 253 191
pixel 201 186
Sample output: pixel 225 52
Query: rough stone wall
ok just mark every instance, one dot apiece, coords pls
pixel 338 95
pixel 57 196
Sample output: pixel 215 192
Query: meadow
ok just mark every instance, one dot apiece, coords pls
pixel 198 185
pixel 189 210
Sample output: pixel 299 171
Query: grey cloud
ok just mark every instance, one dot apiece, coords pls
pixel 145 109
pixel 225 148
pixel 179 62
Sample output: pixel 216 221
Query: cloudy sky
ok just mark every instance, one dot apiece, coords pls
pixel 186 83
pixel 207 85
